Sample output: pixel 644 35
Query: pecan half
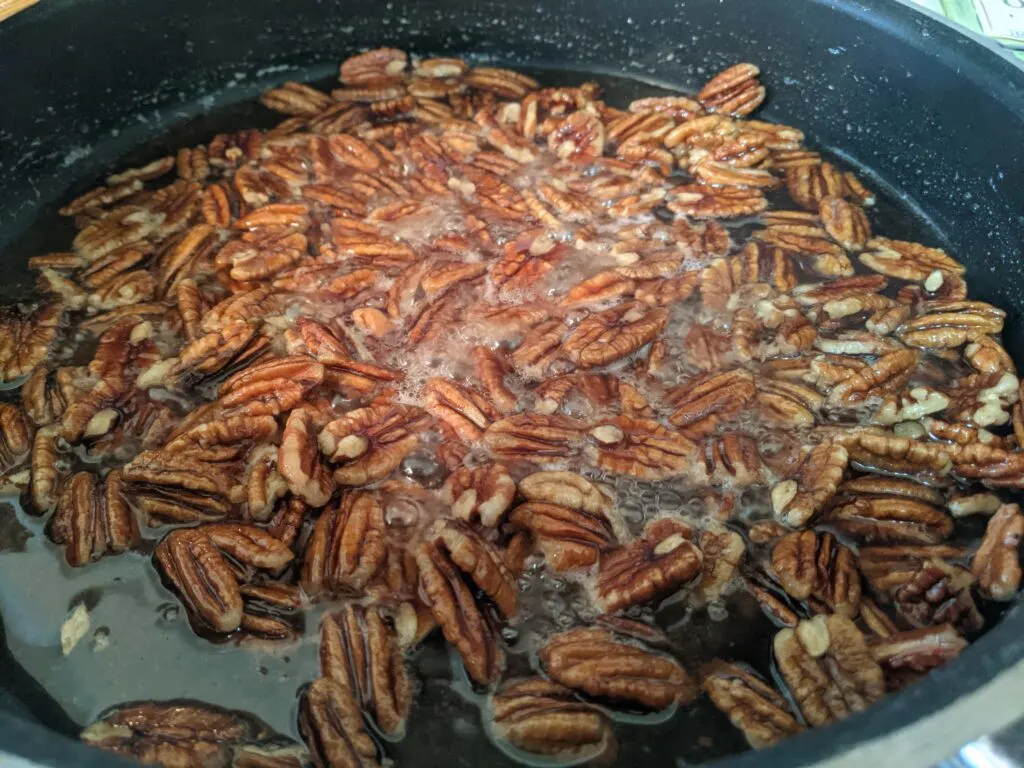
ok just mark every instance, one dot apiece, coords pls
pixel 359 649
pixel 614 334
pixel 641 448
pixel 828 668
pixel 535 437
pixel 997 562
pixel 178 487
pixel 796 501
pixel 543 718
pixel 483 493
pixel 25 341
pixel 809 564
pixel 751 704
pixel 597 663
pixel 371 442
pixel 298 460
pixel 332 726
pixel 347 547
pixel 93 519
pixel 661 561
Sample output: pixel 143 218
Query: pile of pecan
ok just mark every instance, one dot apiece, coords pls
pixel 402 349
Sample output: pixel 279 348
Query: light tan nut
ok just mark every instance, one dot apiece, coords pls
pixel 809 564
pixel 798 500
pixel 751 704
pixel 484 493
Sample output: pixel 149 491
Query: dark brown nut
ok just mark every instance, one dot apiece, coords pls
pixel 728 459
pixel 298 459
pixel 923 584
pixel 996 564
pixel 466 411
pixel 751 704
pixel 47 469
pixel 359 649
pixel 15 437
pixel 919 650
pixel 482 563
pixel 191 561
pixel 788 404
pixel 828 668
pixel 347 548
pixel 482 493
pixel 542 718
pixel 371 442
pixel 907 261
pixel 278 383
pixel 798 500
pixel 331 724
pixel 809 564
pixel 46 393
pixel 614 334
pixel 25 341
pixel 241 429
pixel 181 733
pixel 93 518
pixel 178 487
pixel 951 324
pixel 641 448
pixel 451 602
pixel 654 566
pixel 891 519
pixel 700 201
pixel 271 612
pixel 491 368
pixel 535 437
pixel 701 404
pixel 846 223
pixel 598 664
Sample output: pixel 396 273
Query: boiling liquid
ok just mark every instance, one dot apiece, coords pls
pixel 139 644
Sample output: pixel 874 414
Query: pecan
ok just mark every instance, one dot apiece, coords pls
pixel 810 243
pixel 467 412
pixel 996 564
pixel 47 469
pixel 828 668
pixel 371 442
pixel 922 584
pixel 25 341
pixel 797 500
pixel 809 564
pixel 907 261
pixel 734 91
pixel 919 650
pixel 661 561
pixel 491 369
pixel 597 663
pixel 544 718
pixel 478 560
pixel 586 394
pixel 579 138
pixel 178 487
pixel 332 727
pixel 752 705
pixel 703 403
pixel 298 460
pixel 951 324
pixel 534 437
pixel 182 733
pixel 359 650
pixel 483 493
pixel 614 334
pixel 46 393
pixel 891 511
pixel 810 184
pixel 700 201
pixel 723 551
pixel 347 547
pixel 191 561
pixel 93 518
pixel 15 437
pixel 889 372
pixel 295 99
pixel 846 223
pixel 640 448
pixel 570 517
pixel 463 624
pixel 503 82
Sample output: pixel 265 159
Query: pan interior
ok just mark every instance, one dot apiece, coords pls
pixel 140 646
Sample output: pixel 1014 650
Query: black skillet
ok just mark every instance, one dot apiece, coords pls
pixel 932 117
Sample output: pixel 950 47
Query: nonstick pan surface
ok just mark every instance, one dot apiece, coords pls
pixel 931 117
